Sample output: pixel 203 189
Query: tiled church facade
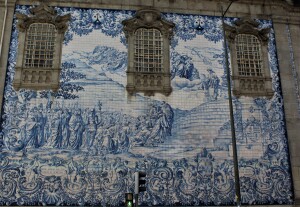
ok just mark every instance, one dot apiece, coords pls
pixel 82 144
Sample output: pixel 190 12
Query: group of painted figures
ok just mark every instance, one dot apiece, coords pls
pixel 75 128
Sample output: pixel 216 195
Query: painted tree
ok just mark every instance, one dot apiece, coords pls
pixel 67 89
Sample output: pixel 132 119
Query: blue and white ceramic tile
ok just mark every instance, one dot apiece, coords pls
pixel 82 145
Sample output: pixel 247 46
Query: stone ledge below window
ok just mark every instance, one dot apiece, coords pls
pixel 252 86
pixel 149 83
pixel 37 79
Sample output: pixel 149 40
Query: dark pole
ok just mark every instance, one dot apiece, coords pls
pixel 136 199
pixel 234 149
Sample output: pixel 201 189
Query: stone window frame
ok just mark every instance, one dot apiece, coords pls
pixel 148 82
pixel 253 86
pixel 39 78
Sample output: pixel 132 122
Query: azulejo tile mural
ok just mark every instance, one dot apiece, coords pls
pixel 82 144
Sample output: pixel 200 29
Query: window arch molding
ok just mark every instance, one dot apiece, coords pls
pixel 41 45
pixel 249 58
pixel 156 80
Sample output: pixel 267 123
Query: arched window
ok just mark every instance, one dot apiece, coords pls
pixel 40 45
pixel 148 54
pixel 40 40
pixel 249 56
pixel 148 38
pixel 249 59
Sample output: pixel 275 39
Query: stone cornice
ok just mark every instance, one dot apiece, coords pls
pixel 265 9
pixel 148 18
pixel 43 14
pixel 279 3
pixel 151 3
pixel 10 3
pixel 247 26
pixel 286 19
